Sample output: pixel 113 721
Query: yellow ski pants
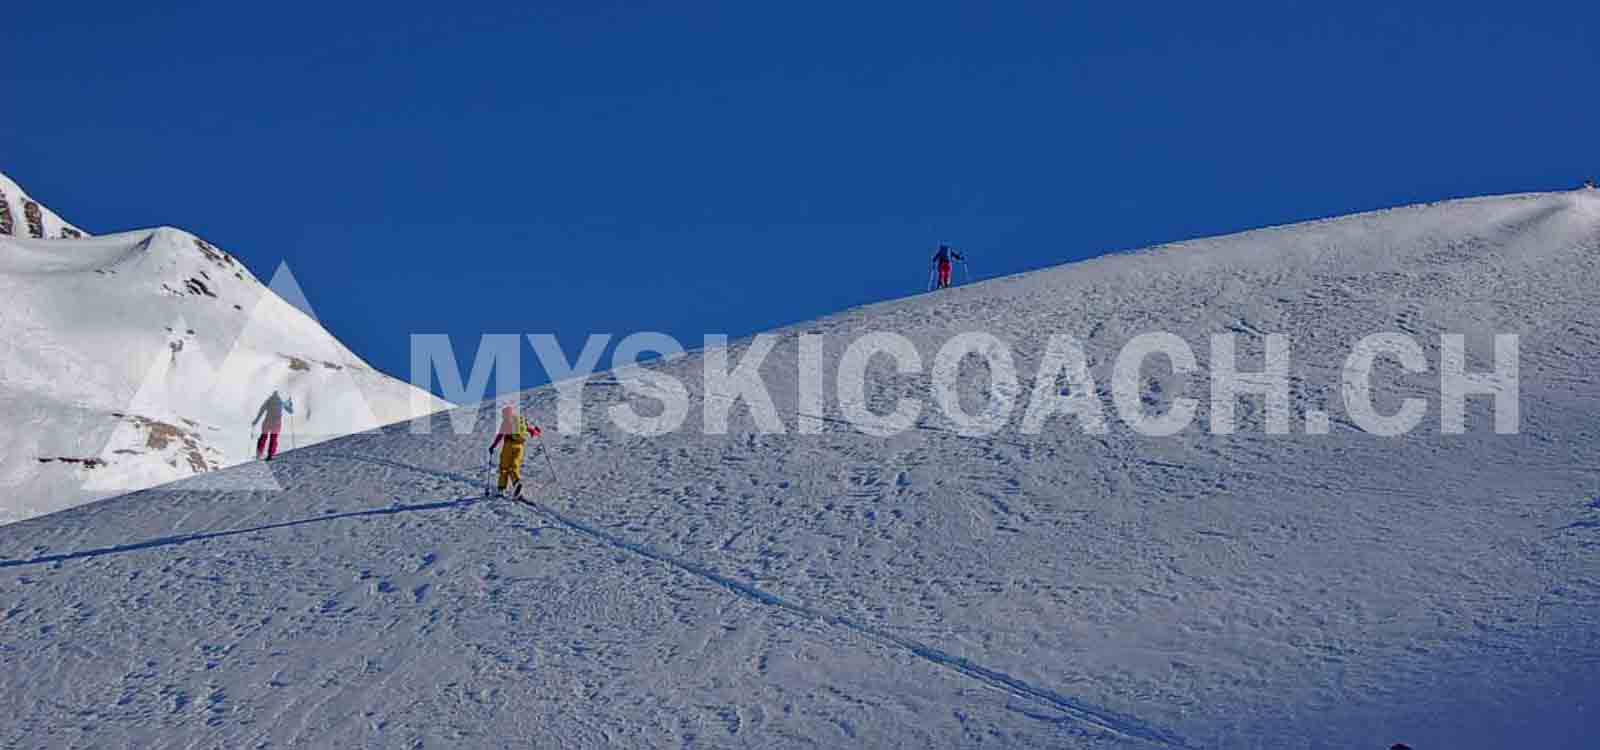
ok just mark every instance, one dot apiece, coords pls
pixel 510 463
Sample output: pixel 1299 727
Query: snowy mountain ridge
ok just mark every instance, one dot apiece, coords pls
pixel 928 589
pixel 133 359
pixel 22 216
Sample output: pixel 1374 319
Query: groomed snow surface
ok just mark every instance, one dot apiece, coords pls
pixel 924 590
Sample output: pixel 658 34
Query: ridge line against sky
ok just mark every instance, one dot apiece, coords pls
pixel 729 169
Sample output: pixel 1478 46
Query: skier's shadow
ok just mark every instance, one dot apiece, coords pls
pixel 170 541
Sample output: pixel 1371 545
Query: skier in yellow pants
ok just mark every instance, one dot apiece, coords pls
pixel 514 432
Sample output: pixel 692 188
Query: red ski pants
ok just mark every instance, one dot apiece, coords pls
pixel 267 442
pixel 944 274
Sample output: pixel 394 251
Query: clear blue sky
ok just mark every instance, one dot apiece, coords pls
pixel 690 167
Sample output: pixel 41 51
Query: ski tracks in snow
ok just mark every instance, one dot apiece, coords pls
pixel 1105 719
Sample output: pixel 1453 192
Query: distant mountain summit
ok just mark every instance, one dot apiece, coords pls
pixel 137 358
pixel 22 216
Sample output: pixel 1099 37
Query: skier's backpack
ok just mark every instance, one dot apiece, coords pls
pixel 518 431
pixel 521 430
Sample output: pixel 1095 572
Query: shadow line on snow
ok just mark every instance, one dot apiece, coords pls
pixel 1106 719
pixel 170 541
pixel 917 425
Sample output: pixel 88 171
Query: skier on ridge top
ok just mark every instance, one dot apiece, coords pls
pixel 272 411
pixel 514 431
pixel 941 260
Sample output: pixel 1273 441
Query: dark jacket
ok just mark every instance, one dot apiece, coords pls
pixel 272 410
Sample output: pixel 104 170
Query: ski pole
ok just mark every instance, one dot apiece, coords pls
pixel 552 463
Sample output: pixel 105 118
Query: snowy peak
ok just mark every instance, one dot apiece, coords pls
pixel 140 357
pixel 22 216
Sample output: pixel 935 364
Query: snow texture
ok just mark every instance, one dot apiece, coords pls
pixel 924 590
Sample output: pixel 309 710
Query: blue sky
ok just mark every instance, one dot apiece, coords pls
pixel 584 167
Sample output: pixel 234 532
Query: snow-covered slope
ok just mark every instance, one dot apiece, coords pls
pixel 134 359
pixel 924 590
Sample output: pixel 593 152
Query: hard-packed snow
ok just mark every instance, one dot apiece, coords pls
pixel 924 590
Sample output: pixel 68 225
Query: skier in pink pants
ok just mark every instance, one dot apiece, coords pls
pixel 942 262
pixel 271 417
